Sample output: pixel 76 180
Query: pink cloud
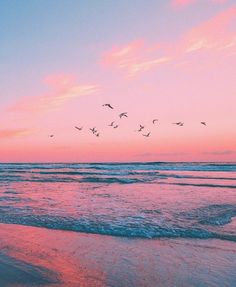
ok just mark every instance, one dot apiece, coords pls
pixel 147 65
pixel 219 1
pixel 124 55
pixel 215 35
pixel 12 133
pixel 63 89
pixel 59 80
pixel 135 57
pixel 183 3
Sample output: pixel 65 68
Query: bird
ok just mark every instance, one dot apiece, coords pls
pixel 108 105
pixel 93 130
pixel 97 134
pixel 155 120
pixel 115 127
pixel 79 128
pixel 178 124
pixel 51 136
pixel 203 123
pixel 147 135
pixel 111 124
pixel 123 115
pixel 141 128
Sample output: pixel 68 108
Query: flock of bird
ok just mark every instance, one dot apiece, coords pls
pixel 114 125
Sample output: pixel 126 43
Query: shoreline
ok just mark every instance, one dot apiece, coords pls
pixel 34 256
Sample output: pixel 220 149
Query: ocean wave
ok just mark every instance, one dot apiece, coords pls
pixel 215 214
pixel 166 166
pixel 199 184
pixel 88 179
pixel 18 174
pixel 120 180
pixel 134 227
pixel 112 173
pixel 187 176
pixel 124 211
pixel 175 166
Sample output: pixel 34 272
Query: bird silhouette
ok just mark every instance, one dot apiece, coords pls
pixel 79 128
pixel 108 105
pixel 203 123
pixel 155 120
pixel 115 127
pixel 123 115
pixel 51 136
pixel 140 128
pixel 147 135
pixel 111 124
pixel 93 130
pixel 179 124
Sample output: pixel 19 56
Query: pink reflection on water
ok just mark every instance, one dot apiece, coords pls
pixel 41 247
pixel 94 260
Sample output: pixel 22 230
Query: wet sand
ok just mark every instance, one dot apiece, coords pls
pixel 17 272
pixel 31 256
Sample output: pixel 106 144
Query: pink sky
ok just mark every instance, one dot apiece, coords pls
pixel 186 72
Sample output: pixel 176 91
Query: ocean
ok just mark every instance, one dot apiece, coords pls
pixel 134 200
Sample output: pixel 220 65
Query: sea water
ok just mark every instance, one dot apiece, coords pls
pixel 137 200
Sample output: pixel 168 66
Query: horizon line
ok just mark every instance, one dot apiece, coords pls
pixel 113 162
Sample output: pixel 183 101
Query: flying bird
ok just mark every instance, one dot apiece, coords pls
pixel 93 130
pixel 111 124
pixel 79 128
pixel 115 127
pixel 97 134
pixel 140 128
pixel 203 123
pixel 51 136
pixel 147 135
pixel 108 105
pixel 155 120
pixel 123 115
pixel 179 124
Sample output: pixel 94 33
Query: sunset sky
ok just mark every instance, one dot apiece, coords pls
pixel 61 60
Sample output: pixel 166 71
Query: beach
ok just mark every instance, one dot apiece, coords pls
pixel 33 256
pixel 118 225
pixel 118 143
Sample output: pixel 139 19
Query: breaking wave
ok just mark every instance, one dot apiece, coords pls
pixel 132 199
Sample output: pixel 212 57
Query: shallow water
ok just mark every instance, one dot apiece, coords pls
pixel 45 257
pixel 141 200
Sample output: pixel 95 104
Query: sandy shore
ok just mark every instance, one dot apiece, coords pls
pixel 32 256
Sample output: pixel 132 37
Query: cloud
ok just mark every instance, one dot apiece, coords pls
pixel 13 133
pixel 63 89
pixel 216 35
pixel 134 57
pixel 220 152
pixel 147 65
pixel 147 154
pixel 183 3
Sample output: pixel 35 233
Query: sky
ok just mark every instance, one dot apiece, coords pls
pixel 172 60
